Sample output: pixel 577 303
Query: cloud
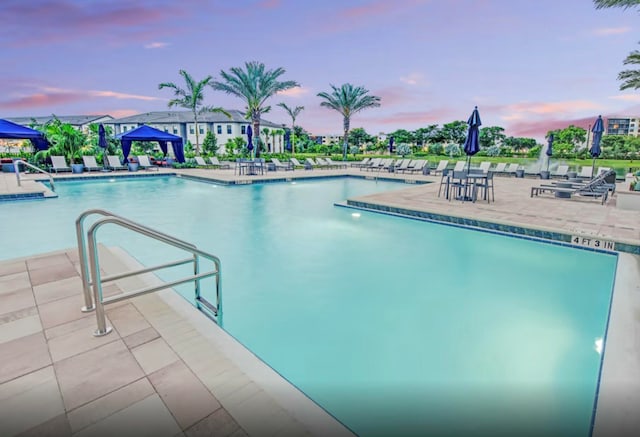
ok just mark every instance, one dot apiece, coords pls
pixel 156 45
pixel 412 78
pixel 119 113
pixel 539 128
pixel 294 92
pixel 627 97
pixel 416 118
pixel 606 31
pixel 51 97
pixel 269 4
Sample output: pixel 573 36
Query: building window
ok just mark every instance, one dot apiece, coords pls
pixel 219 129
pixel 124 128
pixel 243 130
pixel 229 129
pixel 201 129
pixel 166 129
pixel 175 130
pixel 191 130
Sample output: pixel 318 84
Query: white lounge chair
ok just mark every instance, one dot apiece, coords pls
pixel 418 166
pixel 145 163
pixel 586 172
pixel 602 170
pixel 114 163
pixel 201 162
pixel 336 164
pixel 217 164
pixel 90 163
pixel 512 169
pixel 403 165
pixel 561 171
pixel 59 163
pixel 484 166
pixel 460 165
pixel 362 163
pixel 500 167
pixel 279 165
pixel 442 166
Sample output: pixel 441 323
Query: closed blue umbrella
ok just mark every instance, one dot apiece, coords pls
pixel 595 151
pixel 287 140
pixel 103 144
pixel 549 151
pixel 472 142
pixel 249 139
pixel 391 144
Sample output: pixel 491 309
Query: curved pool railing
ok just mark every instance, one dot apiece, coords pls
pixel 33 167
pixel 91 277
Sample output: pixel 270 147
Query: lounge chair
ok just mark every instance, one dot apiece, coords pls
pixel 297 163
pixel 512 169
pixel 602 170
pixel 217 164
pixel 114 163
pixel 373 164
pixel 59 163
pixel 442 166
pixel 336 164
pixel 362 163
pixel 484 166
pixel 322 163
pixel 500 168
pixel 460 165
pixel 280 166
pixel 387 165
pixel 90 163
pixel 598 187
pixel 309 163
pixel 418 166
pixel 403 165
pixel 201 162
pixel 144 162
pixel 561 171
pixel 586 172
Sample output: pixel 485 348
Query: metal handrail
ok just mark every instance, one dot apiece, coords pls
pixel 97 282
pixel 31 166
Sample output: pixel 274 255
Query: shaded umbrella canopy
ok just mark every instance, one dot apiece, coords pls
pixel 249 138
pixel 472 142
pixel 598 129
pixel 14 131
pixel 391 144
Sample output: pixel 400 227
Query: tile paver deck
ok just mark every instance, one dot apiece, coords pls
pixel 54 375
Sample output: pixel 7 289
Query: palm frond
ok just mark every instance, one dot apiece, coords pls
pixel 630 79
pixel 625 4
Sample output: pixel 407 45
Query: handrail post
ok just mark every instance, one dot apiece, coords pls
pixel 103 329
pixel 218 292
pixel 16 169
pixel 196 271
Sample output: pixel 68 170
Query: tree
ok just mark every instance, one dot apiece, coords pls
pixel 402 136
pixel 424 134
pixel 359 136
pixel 454 132
pixel 293 113
pixel 255 85
pixel 267 133
pixel 491 136
pixel 348 100
pixel 629 78
pixel 210 144
pixel 192 98
pixel 573 135
pixel 65 140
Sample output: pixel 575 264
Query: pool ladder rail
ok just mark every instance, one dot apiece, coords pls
pixel 33 167
pixel 92 279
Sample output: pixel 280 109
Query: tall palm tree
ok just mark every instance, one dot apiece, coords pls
pixel 191 98
pixel 293 113
pixel 253 84
pixel 348 100
pixel 600 4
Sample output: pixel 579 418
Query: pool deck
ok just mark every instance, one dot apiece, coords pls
pixel 167 370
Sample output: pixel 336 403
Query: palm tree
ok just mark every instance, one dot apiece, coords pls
pixel 266 132
pixel 293 113
pixel 348 100
pixel 254 85
pixel 600 4
pixel 191 98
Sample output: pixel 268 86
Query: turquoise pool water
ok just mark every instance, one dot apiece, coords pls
pixel 392 325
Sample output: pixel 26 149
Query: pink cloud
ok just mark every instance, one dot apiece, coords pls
pixel 156 45
pixel 294 92
pixel 605 31
pixel 269 4
pixel 118 113
pixel 41 100
pixel 539 128
pixel 417 118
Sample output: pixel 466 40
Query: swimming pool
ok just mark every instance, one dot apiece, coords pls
pixel 390 324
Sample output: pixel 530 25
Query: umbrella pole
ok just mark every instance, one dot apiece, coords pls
pixel 468 163
pixel 593 167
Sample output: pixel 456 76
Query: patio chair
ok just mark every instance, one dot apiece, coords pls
pixel 59 163
pixel 586 172
pixel 442 166
pixel 201 162
pixel 144 162
pixel 561 171
pixel 279 165
pixel 500 167
pixel 217 164
pixel 114 163
pixel 90 163
pixel 362 163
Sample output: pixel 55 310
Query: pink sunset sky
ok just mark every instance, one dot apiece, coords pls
pixel 529 66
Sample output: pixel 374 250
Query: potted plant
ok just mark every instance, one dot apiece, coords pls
pixel 65 140
pixel 132 163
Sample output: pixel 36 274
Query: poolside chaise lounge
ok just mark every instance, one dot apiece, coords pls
pixel 403 165
pixel 442 166
pixel 512 169
pixel 310 163
pixel 561 171
pixel 586 172
pixel 59 163
pixel 201 162
pixel 484 166
pixel 418 166
pixel 217 164
pixel 499 168
pixel 297 163
pixel 599 186
pixel 114 163
pixel 460 165
pixel 324 163
pixel 336 164
pixel 364 162
pixel 145 163
pixel 374 163
pixel 281 166
pixel 90 163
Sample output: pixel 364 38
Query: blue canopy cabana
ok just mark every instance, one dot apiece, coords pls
pixel 148 133
pixel 13 131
